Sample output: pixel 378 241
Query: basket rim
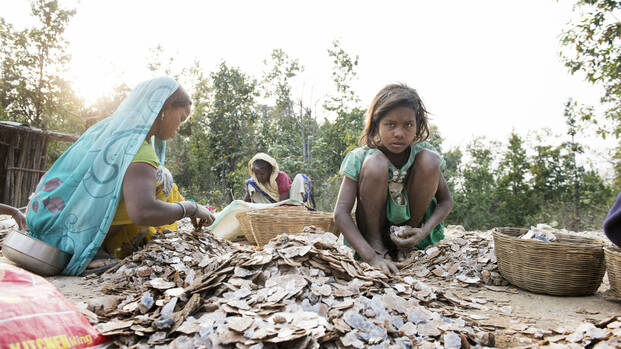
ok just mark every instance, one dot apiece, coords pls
pixel 519 262
pixel 592 242
pixel 281 216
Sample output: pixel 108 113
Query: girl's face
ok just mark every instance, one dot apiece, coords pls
pixel 397 129
pixel 169 123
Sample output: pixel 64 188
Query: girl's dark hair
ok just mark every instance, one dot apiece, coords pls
pixel 177 99
pixel 390 97
pixel 261 164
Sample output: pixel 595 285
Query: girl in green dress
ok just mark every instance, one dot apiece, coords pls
pixel 396 179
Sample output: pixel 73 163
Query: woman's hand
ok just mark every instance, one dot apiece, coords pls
pixel 202 217
pixel 17 215
pixel 19 218
pixel 408 237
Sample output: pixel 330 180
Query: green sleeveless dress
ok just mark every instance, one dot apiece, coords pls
pixel 397 204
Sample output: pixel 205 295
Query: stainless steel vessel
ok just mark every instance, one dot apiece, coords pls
pixel 34 255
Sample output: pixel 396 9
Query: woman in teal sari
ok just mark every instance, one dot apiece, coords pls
pixel 110 185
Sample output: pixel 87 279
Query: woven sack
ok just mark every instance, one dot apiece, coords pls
pixel 571 266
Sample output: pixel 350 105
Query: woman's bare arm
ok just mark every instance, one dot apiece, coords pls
pixel 139 195
pixel 17 215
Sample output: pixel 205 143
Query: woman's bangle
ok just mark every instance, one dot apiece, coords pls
pixel 195 208
pixel 182 210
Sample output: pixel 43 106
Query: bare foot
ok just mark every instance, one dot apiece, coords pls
pixel 102 259
pixel 102 262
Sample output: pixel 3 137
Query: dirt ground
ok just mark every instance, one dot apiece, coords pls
pixel 515 316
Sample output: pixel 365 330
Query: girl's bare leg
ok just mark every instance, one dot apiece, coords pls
pixel 372 195
pixel 422 184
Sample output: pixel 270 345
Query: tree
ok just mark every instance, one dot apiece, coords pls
pixel 188 150
pixel 340 136
pixel 292 123
pixel 475 205
pixel 230 115
pixel 592 45
pixel 106 105
pixel 548 176
pixel 452 172
pixel 343 73
pixel 570 163
pixel 33 60
pixel 513 194
pixel 568 194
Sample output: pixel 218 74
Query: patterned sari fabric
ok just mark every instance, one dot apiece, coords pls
pixel 76 200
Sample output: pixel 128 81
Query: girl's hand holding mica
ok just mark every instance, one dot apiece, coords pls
pixel 406 237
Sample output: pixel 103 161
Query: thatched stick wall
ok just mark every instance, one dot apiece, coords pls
pixel 23 155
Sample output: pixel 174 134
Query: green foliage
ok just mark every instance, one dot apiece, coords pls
pixel 592 45
pixel 475 206
pixel 340 136
pixel 106 105
pixel 452 173
pixel 291 125
pixel 209 155
pixel 513 194
pixel 343 73
pixel 32 88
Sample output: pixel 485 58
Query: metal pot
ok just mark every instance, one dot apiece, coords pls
pixel 34 254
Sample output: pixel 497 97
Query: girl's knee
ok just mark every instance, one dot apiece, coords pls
pixel 427 162
pixel 375 166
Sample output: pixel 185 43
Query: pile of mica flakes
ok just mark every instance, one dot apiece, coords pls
pixel 189 289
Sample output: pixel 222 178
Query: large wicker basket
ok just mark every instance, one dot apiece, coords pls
pixel 613 266
pixel 571 266
pixel 244 225
pixel 260 226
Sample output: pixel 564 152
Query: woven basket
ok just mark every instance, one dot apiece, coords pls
pixel 571 266
pixel 244 222
pixel 244 225
pixel 613 266
pixel 266 224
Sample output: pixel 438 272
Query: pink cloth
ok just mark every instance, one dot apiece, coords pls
pixel 284 182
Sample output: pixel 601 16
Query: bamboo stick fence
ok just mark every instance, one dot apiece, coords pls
pixel 23 155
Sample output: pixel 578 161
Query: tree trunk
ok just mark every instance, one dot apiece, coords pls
pixel 38 104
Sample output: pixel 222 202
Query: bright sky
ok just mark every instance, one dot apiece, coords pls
pixel 481 67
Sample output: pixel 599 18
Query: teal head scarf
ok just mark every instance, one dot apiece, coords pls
pixel 75 202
